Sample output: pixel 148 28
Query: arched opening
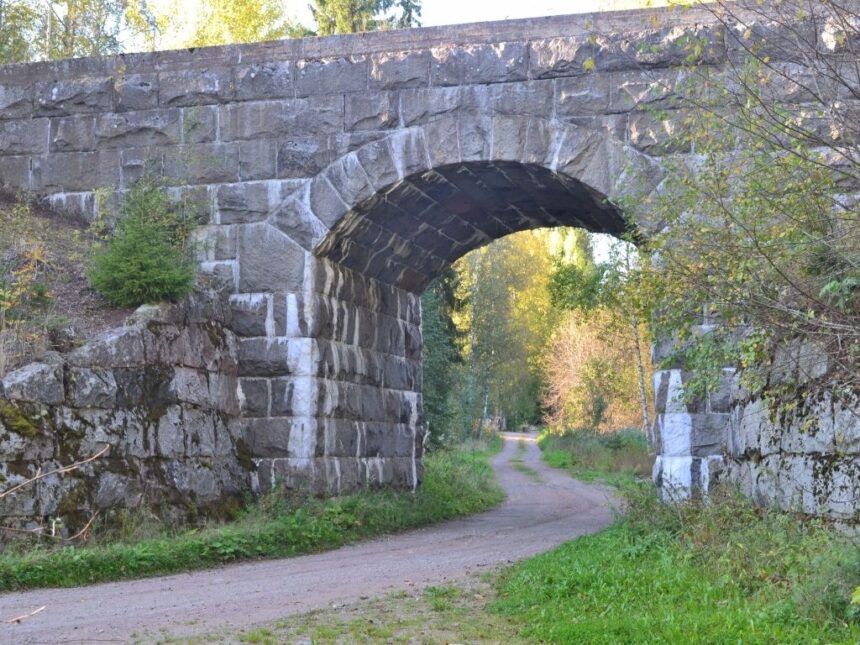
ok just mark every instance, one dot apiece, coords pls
pixel 407 234
pixel 370 271
pixel 347 257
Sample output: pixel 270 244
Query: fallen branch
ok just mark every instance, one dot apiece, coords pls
pixel 58 471
pixel 18 619
pixel 40 531
pixel 83 531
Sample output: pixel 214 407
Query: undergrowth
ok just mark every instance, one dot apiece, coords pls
pixel 718 572
pixel 37 259
pixel 617 458
pixel 455 483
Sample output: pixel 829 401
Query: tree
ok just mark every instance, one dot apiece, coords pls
pixel 764 231
pixel 150 255
pixel 352 16
pixel 441 360
pixel 17 28
pixel 225 22
pixel 591 383
pixel 505 321
pixel 603 295
pixel 74 28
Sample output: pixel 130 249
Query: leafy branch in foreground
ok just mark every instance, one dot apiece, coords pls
pixel 762 229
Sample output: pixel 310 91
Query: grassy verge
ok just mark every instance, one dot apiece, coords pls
pixel 442 614
pixel 518 464
pixel 456 483
pixel 725 572
pixel 616 458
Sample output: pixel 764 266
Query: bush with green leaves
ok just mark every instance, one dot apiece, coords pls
pixel 149 257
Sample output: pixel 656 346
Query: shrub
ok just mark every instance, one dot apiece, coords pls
pixel 149 257
pixel 593 455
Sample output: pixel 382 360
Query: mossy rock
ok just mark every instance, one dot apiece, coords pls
pixel 18 421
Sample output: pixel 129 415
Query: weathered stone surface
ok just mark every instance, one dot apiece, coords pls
pixel 331 75
pixel 37 382
pixel 198 87
pixel 92 388
pixel 118 348
pixel 258 160
pixel 136 92
pixel 269 437
pixel 372 111
pixel 132 129
pixel 398 70
pixel 24 137
pixel 306 117
pixel 88 95
pixel 130 392
pixel 554 57
pixel 242 203
pixel 497 63
pixel 16 101
pixel 206 163
pixel 75 171
pixel 583 95
pixel 264 82
pixel 269 259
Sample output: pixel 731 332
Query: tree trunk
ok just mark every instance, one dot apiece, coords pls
pixel 640 368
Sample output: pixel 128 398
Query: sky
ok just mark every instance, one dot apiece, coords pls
pixel 450 12
pixel 434 12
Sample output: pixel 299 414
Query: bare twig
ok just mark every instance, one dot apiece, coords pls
pixel 58 471
pixel 23 617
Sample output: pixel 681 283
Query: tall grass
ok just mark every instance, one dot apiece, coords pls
pixel 614 457
pixel 456 483
pixel 717 572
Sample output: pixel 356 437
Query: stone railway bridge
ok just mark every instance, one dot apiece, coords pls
pixel 337 178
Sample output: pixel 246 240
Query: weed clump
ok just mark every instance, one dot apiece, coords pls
pixel 149 257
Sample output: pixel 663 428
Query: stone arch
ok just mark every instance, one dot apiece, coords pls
pixel 590 168
pixel 335 384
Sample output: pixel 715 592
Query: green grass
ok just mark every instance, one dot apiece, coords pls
pixel 456 483
pixel 449 614
pixel 719 573
pixel 518 464
pixel 616 458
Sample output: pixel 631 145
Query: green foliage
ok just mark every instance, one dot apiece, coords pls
pixel 149 258
pixel 506 320
pixel 17 20
pixel 617 458
pixel 441 362
pixel 456 483
pixel 225 22
pixel 353 16
pixel 56 29
pixel 725 572
pixel 758 230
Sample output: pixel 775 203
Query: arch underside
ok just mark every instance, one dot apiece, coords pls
pixel 406 235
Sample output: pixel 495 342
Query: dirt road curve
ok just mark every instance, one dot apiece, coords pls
pixel 543 509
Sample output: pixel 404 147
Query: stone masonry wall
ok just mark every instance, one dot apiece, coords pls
pixel 335 178
pixel 283 144
pixel 330 385
pixel 796 446
pixel 687 435
pixel 161 392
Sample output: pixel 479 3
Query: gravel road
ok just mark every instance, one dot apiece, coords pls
pixel 544 508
